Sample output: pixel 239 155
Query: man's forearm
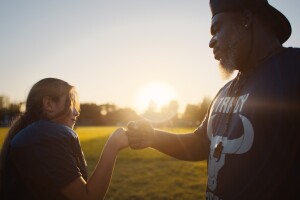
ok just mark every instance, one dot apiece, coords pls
pixel 181 146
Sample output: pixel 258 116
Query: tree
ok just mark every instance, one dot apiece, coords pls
pixel 121 116
pixel 89 115
pixel 7 114
pixel 194 114
pixel 105 115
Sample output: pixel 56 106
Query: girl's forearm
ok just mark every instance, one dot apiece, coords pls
pixel 98 183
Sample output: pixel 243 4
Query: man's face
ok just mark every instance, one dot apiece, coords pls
pixel 228 41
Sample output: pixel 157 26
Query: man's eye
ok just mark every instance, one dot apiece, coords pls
pixel 214 31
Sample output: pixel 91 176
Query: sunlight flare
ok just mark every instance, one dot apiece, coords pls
pixel 155 94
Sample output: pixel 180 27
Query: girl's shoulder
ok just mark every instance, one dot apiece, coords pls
pixel 43 131
pixel 49 127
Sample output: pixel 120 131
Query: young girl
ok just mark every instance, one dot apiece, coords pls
pixel 41 157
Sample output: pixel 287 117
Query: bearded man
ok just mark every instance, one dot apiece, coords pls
pixel 250 136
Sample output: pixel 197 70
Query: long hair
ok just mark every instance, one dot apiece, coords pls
pixel 50 87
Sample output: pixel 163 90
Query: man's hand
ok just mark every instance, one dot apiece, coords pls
pixel 140 134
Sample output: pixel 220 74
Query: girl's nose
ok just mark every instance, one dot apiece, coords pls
pixel 75 112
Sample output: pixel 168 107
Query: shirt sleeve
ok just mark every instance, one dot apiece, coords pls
pixel 202 129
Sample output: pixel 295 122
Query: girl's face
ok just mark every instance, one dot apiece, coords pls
pixel 65 116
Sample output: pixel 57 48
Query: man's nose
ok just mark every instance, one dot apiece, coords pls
pixel 212 42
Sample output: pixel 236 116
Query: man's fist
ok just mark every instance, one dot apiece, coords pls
pixel 140 134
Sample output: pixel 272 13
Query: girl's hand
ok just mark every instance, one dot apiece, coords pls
pixel 118 139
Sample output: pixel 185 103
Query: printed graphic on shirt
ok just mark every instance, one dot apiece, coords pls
pixel 225 104
pixel 222 145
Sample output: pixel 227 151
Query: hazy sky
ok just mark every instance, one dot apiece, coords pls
pixel 112 49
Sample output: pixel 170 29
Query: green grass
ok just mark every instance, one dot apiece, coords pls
pixel 143 174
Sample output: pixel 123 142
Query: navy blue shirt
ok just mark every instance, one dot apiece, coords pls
pixel 43 158
pixel 260 154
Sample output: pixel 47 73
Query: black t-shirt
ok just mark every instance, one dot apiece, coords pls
pixel 260 158
pixel 43 158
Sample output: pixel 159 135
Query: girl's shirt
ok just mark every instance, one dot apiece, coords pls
pixel 43 158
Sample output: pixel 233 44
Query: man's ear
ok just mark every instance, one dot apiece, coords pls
pixel 47 104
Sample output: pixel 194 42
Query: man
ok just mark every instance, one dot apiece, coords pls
pixel 250 136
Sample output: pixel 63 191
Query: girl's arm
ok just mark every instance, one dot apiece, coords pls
pixel 97 185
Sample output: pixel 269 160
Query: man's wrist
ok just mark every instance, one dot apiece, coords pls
pixel 154 138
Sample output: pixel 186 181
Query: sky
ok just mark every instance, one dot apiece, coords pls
pixel 125 52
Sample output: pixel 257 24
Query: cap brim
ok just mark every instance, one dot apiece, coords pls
pixel 279 23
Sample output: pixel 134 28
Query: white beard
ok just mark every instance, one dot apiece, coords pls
pixel 228 64
pixel 225 73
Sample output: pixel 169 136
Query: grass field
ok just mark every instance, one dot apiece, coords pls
pixel 143 174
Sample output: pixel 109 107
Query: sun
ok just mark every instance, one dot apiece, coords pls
pixel 157 93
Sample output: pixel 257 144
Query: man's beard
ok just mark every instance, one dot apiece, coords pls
pixel 225 69
pixel 228 64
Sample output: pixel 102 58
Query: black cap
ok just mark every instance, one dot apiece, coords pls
pixel 279 23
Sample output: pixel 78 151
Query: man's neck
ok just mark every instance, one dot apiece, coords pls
pixel 263 54
pixel 265 45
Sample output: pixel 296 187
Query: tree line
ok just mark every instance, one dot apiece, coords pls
pixel 92 114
